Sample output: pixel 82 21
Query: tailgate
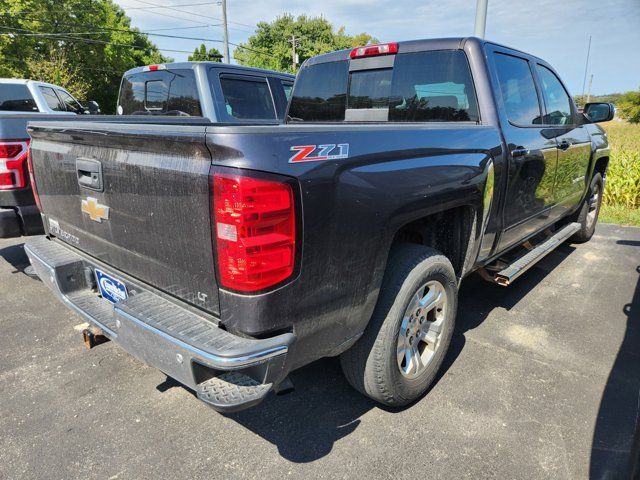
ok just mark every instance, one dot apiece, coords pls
pixel 135 196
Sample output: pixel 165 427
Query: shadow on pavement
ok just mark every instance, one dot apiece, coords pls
pixel 616 438
pixel 305 424
pixel 15 256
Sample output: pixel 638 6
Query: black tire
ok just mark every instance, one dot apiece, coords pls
pixel 371 366
pixel 587 223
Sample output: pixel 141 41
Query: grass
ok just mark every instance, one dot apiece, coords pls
pixel 619 215
pixel 622 191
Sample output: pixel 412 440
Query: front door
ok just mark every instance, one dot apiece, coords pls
pixel 531 148
pixel 573 141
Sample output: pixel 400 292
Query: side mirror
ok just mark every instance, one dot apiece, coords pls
pixel 93 107
pixel 599 112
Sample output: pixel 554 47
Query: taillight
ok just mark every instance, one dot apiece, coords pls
pixel 255 231
pixel 374 50
pixel 13 156
pixel 34 188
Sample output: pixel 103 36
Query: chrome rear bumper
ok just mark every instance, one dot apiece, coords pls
pixel 184 345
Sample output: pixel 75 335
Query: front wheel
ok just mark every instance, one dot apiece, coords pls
pixel 404 345
pixel 589 211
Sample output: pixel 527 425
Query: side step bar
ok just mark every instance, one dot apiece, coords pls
pixel 524 263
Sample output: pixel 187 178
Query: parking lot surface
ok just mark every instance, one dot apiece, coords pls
pixel 542 381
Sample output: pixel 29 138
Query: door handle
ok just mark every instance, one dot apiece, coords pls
pixel 564 145
pixel 520 152
pixel 89 173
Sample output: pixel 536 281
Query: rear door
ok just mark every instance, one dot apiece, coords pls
pixel 572 139
pixel 531 147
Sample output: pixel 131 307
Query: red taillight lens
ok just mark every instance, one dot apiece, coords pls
pixel 32 179
pixel 13 156
pixel 255 230
pixel 374 50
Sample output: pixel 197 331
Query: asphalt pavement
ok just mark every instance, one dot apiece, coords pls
pixel 542 381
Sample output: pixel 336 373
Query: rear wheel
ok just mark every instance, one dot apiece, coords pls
pixel 406 340
pixel 589 211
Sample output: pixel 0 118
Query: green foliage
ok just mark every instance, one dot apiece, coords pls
pixel 59 71
pixel 623 177
pixel 620 215
pixel 270 46
pixel 200 54
pixel 629 106
pixel 87 47
pixel 608 98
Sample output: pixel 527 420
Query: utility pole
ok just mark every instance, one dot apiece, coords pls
pixel 586 66
pixel 225 53
pixel 481 18
pixel 295 41
pixel 589 89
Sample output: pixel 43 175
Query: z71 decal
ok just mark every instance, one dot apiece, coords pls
pixel 316 153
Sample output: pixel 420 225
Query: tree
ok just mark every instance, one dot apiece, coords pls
pixel 629 106
pixel 200 54
pixel 83 45
pixel 57 70
pixel 270 46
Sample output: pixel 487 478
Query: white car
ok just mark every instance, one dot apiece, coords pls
pixel 25 96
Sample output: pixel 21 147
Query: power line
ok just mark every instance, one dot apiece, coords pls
pixel 193 14
pixel 177 5
pixel 68 35
pixel 30 15
pixel 30 33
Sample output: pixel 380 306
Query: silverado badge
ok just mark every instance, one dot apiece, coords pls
pixel 95 210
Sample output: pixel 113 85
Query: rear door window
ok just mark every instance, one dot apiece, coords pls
pixel 247 97
pixel 16 98
pixel 518 90
pixel 53 102
pixel 160 92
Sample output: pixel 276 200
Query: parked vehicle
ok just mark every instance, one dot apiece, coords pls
pixel 21 101
pixel 229 255
pixel 29 96
pixel 216 91
pixel 207 91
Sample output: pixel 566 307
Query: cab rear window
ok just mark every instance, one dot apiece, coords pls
pixel 432 86
pixel 160 92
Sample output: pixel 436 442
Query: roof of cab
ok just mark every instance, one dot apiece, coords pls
pixel 454 43
pixel 25 81
pixel 226 66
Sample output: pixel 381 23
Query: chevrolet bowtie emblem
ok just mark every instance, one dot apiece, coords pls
pixel 96 211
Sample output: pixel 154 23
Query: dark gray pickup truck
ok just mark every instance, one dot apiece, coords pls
pixel 229 255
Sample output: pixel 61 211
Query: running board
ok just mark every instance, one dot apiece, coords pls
pixel 507 275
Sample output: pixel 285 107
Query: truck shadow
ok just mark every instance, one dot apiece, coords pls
pixel 615 451
pixel 16 257
pixel 305 424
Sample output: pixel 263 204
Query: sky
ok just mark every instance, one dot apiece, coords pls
pixel 555 30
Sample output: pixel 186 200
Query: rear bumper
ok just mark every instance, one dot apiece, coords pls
pixel 227 371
